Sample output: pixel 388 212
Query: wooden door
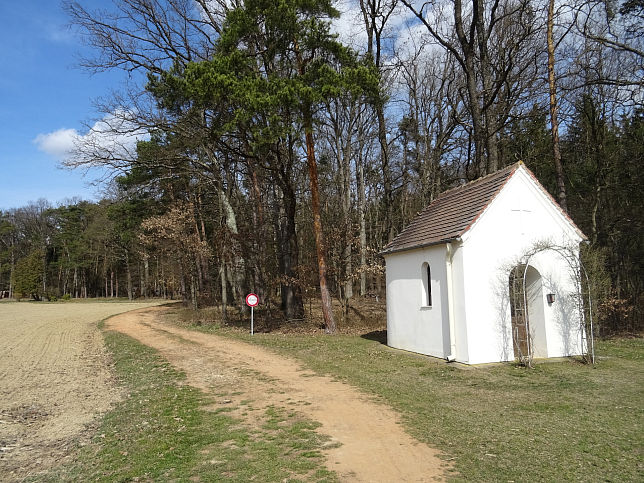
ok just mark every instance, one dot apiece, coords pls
pixel 518 313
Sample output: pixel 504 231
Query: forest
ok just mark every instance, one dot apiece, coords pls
pixel 276 146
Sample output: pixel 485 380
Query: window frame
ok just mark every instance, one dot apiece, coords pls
pixel 426 278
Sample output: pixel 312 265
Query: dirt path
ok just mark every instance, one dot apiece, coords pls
pixel 54 380
pixel 372 444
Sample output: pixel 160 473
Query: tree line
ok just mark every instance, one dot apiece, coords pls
pixel 273 155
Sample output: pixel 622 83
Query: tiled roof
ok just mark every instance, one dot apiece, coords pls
pixel 452 213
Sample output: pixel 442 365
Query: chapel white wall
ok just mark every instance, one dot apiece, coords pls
pixel 411 325
pixel 492 247
pixel 459 297
pixel 562 318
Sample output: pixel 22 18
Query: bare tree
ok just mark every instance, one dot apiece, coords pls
pixel 174 236
pixel 488 41
pixel 613 50
pixel 376 15
pixel 552 90
pixel 148 35
pixel 429 78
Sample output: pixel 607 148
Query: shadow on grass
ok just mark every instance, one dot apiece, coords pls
pixel 377 336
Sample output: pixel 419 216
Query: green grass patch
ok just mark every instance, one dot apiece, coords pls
pixel 162 431
pixel 559 421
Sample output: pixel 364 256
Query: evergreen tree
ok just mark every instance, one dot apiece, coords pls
pixel 28 275
pixel 275 58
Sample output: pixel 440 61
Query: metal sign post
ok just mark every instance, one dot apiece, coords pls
pixel 251 300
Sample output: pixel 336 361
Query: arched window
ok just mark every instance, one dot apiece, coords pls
pixel 426 276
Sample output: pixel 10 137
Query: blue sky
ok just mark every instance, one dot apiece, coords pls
pixel 46 98
pixel 44 95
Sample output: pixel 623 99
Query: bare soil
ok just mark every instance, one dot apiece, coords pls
pixel 55 379
pixel 367 442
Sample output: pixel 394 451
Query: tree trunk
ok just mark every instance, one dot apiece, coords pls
pixel 60 280
pixel 288 251
pixel 386 173
pixel 11 270
pixel 363 228
pixel 343 155
pixel 346 204
pixel 554 123
pixel 205 269
pixel 146 276
pixel 259 232
pixel 193 290
pixel 130 295
pixel 489 112
pixel 224 291
pixel 472 89
pixel 327 308
pixel 198 264
pixel 141 278
pixel 237 265
pixel 44 271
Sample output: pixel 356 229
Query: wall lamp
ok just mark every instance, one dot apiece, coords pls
pixel 550 297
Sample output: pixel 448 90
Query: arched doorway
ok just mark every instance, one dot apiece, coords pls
pixel 527 313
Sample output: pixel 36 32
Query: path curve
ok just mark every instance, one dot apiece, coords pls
pixel 372 444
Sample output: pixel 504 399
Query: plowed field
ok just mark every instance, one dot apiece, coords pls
pixel 54 380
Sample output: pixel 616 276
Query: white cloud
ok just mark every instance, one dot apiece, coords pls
pixel 117 131
pixel 58 144
pixel 114 137
pixel 350 27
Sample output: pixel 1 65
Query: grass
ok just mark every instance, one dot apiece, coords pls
pixel 163 431
pixel 559 421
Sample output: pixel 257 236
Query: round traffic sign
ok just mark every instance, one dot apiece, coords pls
pixel 252 300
